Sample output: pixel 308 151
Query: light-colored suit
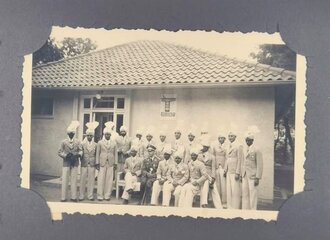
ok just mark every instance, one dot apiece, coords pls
pixel 233 167
pixel 162 170
pixel 252 168
pixel 139 144
pixel 88 169
pixel 123 147
pixel 69 171
pixel 177 176
pixel 209 161
pixel 132 168
pixel 106 156
pixel 220 154
pixel 191 145
pixel 178 145
pixel 197 172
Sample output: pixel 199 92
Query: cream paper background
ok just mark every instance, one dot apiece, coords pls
pixel 57 208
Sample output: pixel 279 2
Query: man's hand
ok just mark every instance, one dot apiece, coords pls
pixel 161 181
pixel 225 174
pixel 97 166
pixel 175 183
pixel 236 176
pixel 194 183
pixel 256 182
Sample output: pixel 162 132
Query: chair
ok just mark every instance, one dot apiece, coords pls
pixel 120 182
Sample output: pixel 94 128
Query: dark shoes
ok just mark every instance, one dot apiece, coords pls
pixel 125 202
pixel 204 206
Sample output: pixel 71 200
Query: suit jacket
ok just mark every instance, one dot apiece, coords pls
pixel 179 173
pixel 123 147
pixel 220 154
pixel 197 172
pixel 149 168
pixel 89 154
pixel 140 145
pixel 209 162
pixel 73 147
pixel 133 165
pixel 234 158
pixel 162 169
pixel 253 164
pixel 178 145
pixel 161 147
pixel 188 148
pixel 106 153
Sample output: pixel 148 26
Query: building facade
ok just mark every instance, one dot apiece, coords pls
pixel 151 84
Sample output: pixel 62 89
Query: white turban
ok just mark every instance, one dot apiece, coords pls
pixel 72 127
pixel 91 126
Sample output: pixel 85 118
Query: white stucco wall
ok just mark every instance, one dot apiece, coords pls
pixel 218 106
pixel 46 135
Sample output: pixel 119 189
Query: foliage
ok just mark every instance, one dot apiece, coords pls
pixel 282 57
pixel 69 47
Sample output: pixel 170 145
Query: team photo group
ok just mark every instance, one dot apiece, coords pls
pixel 191 170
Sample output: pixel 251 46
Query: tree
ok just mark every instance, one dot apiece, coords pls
pixel 69 47
pixel 276 55
pixel 282 57
pixel 49 52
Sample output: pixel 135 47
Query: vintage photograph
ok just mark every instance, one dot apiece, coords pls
pixel 186 119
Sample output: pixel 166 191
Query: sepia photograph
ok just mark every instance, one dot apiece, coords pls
pixel 158 119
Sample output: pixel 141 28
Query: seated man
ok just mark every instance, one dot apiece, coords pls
pixel 209 185
pixel 177 176
pixel 132 169
pixel 149 175
pixel 162 170
pixel 197 177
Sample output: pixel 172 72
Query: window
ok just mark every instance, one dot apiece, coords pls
pixel 120 103
pixel 42 107
pixel 104 102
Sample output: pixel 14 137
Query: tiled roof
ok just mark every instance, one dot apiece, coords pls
pixel 153 63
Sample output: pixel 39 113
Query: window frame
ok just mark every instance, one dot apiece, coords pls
pixel 41 116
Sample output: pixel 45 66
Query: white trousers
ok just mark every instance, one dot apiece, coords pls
pixel 69 173
pixel 214 193
pixel 87 174
pixel 233 192
pixel 105 182
pixel 156 189
pixel 187 195
pixel 130 181
pixel 249 194
pixel 221 184
pixel 167 192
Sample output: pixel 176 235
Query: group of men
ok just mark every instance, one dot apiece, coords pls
pixel 227 174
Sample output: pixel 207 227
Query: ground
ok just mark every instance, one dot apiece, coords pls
pixel 50 189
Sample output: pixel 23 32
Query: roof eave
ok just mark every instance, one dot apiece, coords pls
pixel 176 85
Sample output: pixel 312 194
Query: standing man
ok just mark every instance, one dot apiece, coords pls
pixel 149 141
pixel 162 170
pixel 88 163
pixel 178 144
pixel 138 142
pixel 232 171
pixel 133 170
pixel 219 152
pixel 123 145
pixel 251 173
pixel 162 144
pixel 177 176
pixel 210 184
pixel 197 177
pixel 70 151
pixel 192 143
pixel 149 173
pixel 106 163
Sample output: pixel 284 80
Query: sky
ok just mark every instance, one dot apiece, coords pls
pixel 235 45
